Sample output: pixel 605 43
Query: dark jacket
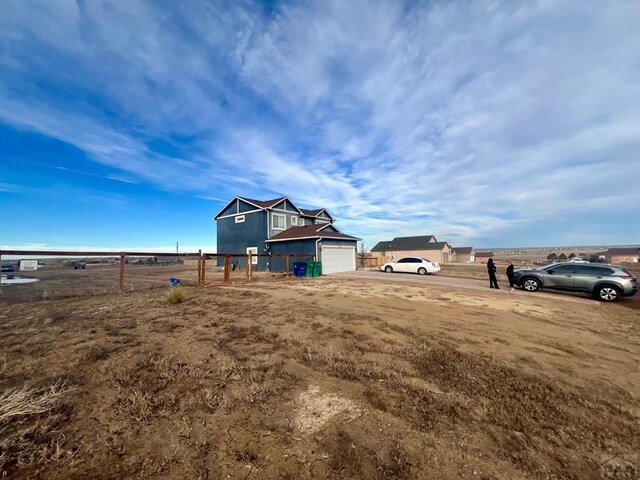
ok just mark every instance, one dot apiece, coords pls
pixel 491 266
pixel 510 271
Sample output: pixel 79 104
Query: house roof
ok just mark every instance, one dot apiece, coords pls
pixel 381 246
pixel 406 243
pixel 435 246
pixel 310 231
pixel 463 250
pixel 263 203
pixel 314 212
pixel 484 254
pixel 623 251
pixel 311 213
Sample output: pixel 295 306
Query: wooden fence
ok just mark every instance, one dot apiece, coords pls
pixel 202 260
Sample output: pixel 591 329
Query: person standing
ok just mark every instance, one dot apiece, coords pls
pixel 491 268
pixel 511 275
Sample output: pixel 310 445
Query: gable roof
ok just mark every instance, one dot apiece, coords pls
pixel 381 246
pixel 265 204
pixel 420 242
pixel 463 250
pixel 436 246
pixel 311 213
pixel 310 231
pixel 623 251
pixel 262 203
pixel 314 212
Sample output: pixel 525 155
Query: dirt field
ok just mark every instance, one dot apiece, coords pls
pixel 65 282
pixel 317 378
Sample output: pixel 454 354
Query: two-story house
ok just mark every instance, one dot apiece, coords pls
pixel 278 226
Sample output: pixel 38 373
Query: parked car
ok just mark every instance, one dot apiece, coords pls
pixel 418 265
pixel 578 260
pixel 605 282
pixel 7 268
pixel 79 265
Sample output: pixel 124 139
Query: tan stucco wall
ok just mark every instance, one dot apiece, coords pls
pixel 433 255
pixel 464 257
pixel 623 259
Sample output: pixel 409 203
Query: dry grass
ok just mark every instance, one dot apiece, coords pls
pixel 31 401
pixel 95 353
pixel 30 419
pixel 175 295
pixel 267 382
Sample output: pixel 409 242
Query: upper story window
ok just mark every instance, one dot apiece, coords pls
pixel 294 221
pixel 240 219
pixel 278 221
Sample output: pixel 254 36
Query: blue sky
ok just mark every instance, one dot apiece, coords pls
pixel 129 124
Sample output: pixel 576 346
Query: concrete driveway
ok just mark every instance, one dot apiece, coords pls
pixel 483 285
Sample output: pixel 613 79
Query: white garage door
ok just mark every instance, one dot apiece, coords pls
pixel 338 259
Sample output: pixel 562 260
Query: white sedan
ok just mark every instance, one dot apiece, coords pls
pixel 418 265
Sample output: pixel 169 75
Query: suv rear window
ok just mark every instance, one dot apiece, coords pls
pixel 591 270
pixel 605 271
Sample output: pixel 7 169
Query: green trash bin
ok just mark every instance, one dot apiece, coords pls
pixel 309 271
pixel 317 269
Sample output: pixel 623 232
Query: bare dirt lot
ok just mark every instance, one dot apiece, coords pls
pixel 56 282
pixel 317 378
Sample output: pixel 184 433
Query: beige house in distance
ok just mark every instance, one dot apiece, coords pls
pixel 483 257
pixel 623 255
pixel 424 246
pixel 463 255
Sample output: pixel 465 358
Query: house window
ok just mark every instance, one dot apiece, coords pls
pixel 294 221
pixel 240 219
pixel 278 221
pixel 254 254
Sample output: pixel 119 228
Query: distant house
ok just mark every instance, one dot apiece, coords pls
pixel 483 257
pixel 28 265
pixel 276 226
pixel 425 246
pixel 623 255
pixel 463 254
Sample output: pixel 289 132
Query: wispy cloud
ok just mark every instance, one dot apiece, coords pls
pixel 108 177
pixel 480 122
pixel 7 187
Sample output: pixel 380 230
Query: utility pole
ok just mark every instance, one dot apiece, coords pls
pixel 176 249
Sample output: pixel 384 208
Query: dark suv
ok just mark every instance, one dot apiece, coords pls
pixel 605 282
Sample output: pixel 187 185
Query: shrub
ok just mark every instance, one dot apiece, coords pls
pixel 175 295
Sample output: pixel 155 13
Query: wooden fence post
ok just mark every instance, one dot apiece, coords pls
pixel 204 269
pixel 122 273
pixel 199 268
pixel 248 266
pixel 286 264
pixel 226 269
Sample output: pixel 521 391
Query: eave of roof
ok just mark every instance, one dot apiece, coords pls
pixel 309 231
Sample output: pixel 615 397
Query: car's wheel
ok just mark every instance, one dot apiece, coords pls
pixel 388 269
pixel 422 271
pixel 607 293
pixel 531 284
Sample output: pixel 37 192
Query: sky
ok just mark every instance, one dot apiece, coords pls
pixel 486 123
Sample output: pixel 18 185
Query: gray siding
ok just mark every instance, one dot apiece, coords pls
pixel 290 207
pixel 288 216
pixel 293 246
pixel 246 207
pixel 237 237
pixel 230 210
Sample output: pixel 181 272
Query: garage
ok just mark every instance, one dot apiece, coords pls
pixel 335 250
pixel 337 258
